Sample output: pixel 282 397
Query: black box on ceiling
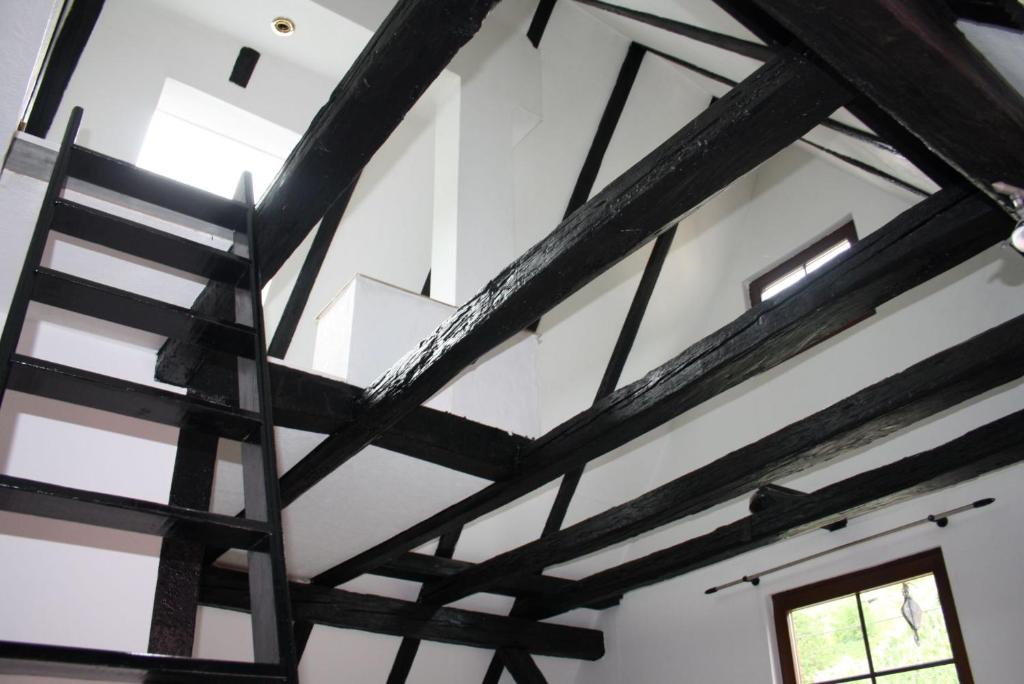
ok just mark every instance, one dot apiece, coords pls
pixel 244 66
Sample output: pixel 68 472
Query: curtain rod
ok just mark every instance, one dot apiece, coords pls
pixel 940 519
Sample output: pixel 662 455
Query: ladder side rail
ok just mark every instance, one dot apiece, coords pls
pixel 34 256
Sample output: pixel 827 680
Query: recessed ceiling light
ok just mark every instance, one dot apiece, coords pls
pixel 283 26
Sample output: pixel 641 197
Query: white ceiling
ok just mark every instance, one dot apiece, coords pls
pixel 324 42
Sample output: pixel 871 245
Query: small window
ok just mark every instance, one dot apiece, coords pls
pixel 891 624
pixel 807 261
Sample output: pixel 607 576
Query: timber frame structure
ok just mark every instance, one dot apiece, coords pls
pixel 900 65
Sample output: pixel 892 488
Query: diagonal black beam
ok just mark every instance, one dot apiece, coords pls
pixel 720 40
pixel 311 266
pixel 868 168
pixel 602 137
pixel 65 51
pixel 539 23
pixel 885 264
pixel 777 104
pixel 935 384
pixel 407 650
pixel 994 446
pixel 521 666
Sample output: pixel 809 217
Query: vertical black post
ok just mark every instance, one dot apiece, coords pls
pixel 272 632
pixel 36 246
pixel 176 598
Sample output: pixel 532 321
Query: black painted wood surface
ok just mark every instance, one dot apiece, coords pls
pixel 303 286
pixel 539 23
pixel 65 51
pixel 720 40
pixel 411 47
pixel 935 384
pixel 157 246
pixel 994 446
pixel 911 60
pixel 90 298
pixel 950 228
pixel 41 660
pixel 521 666
pixel 777 104
pixel 350 610
pixel 172 624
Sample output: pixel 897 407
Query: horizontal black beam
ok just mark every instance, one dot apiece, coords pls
pixel 47 500
pixel 152 244
pixel 776 105
pixel 349 610
pixel 41 660
pixel 928 239
pixel 128 179
pixel 314 403
pixel 94 390
pixel 935 384
pixel 976 453
pixel 90 298
pixel 720 40
pixel 418 567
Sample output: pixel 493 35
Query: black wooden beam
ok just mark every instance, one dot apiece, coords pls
pixel 868 168
pixel 923 390
pixel 407 650
pixel 768 30
pixel 521 666
pixel 539 23
pixel 1005 13
pixel 176 596
pixel 348 610
pixel 719 40
pixel 602 137
pixel 831 124
pixel 314 403
pixel 411 47
pixel 913 62
pixel 314 260
pixel 994 446
pixel 418 567
pixel 926 240
pixel 777 104
pixel 65 51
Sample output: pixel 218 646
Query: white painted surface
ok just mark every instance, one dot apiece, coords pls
pixel 26 27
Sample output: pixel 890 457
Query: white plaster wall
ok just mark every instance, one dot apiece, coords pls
pixel 26 26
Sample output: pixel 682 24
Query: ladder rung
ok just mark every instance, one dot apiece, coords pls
pixel 85 388
pixel 131 515
pixel 44 660
pixel 128 179
pixel 92 225
pixel 88 297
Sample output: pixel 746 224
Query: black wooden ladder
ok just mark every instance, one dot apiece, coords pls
pixel 251 422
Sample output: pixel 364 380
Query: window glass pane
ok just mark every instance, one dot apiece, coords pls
pixel 892 640
pixel 828 641
pixel 777 286
pixel 826 256
pixel 945 674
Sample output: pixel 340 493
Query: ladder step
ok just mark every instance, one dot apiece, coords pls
pixel 87 297
pixel 128 179
pixel 47 500
pixel 93 225
pixel 85 388
pixel 43 660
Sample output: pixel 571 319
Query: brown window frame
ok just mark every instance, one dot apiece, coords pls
pixel 847 231
pixel 912 566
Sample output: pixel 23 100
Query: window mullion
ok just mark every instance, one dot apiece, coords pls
pixel 864 633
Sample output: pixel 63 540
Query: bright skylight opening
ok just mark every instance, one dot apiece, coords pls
pixel 796 275
pixel 198 139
